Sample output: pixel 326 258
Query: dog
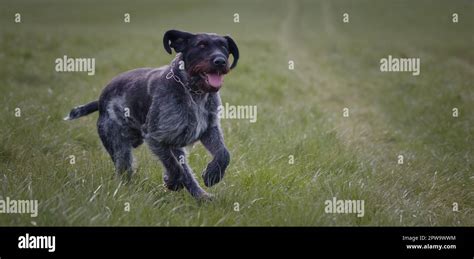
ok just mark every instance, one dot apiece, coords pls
pixel 169 108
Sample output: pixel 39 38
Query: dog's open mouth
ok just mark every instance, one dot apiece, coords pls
pixel 214 79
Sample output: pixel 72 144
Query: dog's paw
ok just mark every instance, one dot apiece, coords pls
pixel 206 197
pixel 203 196
pixel 172 184
pixel 212 175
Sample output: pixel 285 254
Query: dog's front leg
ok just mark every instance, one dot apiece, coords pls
pixel 176 175
pixel 213 140
pixel 189 180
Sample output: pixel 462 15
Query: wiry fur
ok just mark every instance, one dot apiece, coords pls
pixel 166 115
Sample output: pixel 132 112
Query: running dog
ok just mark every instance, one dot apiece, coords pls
pixel 169 107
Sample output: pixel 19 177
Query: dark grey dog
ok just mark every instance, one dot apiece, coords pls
pixel 169 107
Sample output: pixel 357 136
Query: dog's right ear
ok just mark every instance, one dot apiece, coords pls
pixel 176 39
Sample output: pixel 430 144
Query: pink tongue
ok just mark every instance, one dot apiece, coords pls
pixel 215 80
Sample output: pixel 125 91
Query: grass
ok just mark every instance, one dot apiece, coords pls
pixel 299 113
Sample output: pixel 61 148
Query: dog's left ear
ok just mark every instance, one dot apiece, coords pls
pixel 176 39
pixel 233 50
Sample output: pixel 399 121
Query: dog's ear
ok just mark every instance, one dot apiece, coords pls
pixel 176 39
pixel 233 50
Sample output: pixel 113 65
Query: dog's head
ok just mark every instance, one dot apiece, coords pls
pixel 205 56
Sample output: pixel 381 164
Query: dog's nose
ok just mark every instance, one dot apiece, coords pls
pixel 219 61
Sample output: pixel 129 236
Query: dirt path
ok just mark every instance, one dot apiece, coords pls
pixel 414 189
pixel 364 127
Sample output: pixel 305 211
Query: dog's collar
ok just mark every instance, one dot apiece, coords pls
pixel 172 75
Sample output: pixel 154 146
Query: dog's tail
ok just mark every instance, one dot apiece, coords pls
pixel 82 110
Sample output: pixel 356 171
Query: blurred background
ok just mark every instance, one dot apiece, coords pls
pixel 300 112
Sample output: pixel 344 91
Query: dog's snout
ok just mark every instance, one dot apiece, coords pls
pixel 219 61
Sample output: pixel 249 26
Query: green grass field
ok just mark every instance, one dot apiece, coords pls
pixel 300 113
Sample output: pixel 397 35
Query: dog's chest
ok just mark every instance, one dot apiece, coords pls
pixel 200 119
pixel 183 122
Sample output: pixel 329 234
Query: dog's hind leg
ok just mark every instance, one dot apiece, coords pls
pixel 117 145
pixel 123 160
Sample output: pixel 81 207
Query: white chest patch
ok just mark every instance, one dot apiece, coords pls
pixel 202 115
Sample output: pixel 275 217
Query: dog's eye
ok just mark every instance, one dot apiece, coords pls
pixel 202 45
